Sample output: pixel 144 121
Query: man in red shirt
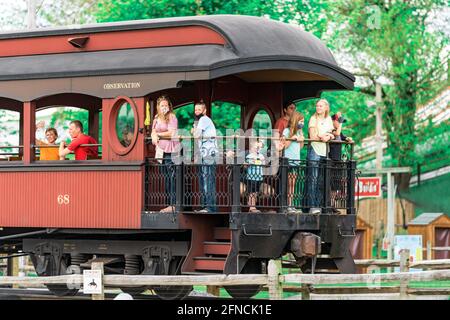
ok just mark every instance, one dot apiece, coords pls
pixel 78 139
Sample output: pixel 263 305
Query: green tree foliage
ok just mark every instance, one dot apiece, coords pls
pixel 308 13
pixel 392 42
pixel 62 116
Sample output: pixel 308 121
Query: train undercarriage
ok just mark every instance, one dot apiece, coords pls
pixel 191 244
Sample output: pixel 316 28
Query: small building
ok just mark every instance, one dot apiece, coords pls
pixel 361 245
pixel 434 227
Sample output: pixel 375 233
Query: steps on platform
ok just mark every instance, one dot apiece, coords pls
pixel 215 252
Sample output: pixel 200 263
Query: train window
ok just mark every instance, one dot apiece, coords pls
pixel 185 116
pixel 125 124
pixel 9 135
pixel 226 115
pixel 262 124
pixel 58 118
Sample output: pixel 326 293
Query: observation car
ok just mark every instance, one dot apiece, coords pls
pixel 71 213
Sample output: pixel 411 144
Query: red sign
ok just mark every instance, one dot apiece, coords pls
pixel 368 187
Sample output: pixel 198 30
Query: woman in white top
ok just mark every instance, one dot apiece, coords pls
pixel 320 127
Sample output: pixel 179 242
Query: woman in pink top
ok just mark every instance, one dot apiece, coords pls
pixel 165 126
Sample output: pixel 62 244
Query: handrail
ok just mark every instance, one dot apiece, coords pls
pixel 180 137
pixel 7 147
pixel 57 145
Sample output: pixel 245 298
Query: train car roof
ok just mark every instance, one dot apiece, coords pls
pixel 250 44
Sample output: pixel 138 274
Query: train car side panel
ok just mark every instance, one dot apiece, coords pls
pixel 77 199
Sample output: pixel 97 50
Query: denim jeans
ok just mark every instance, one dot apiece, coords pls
pixel 207 175
pixel 168 172
pixel 314 193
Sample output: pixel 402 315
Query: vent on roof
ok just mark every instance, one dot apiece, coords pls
pixel 78 42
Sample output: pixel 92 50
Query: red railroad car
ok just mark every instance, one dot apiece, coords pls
pixel 71 213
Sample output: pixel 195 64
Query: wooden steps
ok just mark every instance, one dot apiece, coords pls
pixel 209 263
pixel 215 252
pixel 212 248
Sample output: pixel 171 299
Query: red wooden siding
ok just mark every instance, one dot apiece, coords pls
pixel 97 199
pixel 113 40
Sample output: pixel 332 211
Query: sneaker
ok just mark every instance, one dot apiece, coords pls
pixel 335 211
pixel 315 211
pixel 204 210
pixel 291 210
pixel 298 210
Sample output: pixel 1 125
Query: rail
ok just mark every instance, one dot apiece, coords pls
pixel 231 178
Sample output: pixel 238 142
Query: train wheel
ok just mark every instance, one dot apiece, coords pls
pixel 246 292
pixel 172 292
pixel 133 266
pixel 46 265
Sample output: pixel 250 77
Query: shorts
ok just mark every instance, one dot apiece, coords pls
pixel 253 186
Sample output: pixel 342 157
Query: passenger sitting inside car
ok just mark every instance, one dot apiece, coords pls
pixel 47 152
pixel 78 139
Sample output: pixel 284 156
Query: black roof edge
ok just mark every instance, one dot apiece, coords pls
pixel 218 70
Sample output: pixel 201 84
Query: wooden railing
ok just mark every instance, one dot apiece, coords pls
pixel 275 282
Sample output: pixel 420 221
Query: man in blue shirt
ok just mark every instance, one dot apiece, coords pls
pixel 204 132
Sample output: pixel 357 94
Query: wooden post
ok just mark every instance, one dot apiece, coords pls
pixel 99 266
pixel 404 267
pixel 273 282
pixel 429 252
pixel 306 290
pixel 12 269
pixel 214 290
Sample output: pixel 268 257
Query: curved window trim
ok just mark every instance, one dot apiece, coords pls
pixel 113 140
pixel 265 109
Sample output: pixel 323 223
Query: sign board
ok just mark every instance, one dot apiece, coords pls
pixel 368 187
pixel 92 282
pixel 411 242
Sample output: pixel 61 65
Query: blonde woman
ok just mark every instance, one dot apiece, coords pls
pixel 292 153
pixel 320 127
pixel 165 126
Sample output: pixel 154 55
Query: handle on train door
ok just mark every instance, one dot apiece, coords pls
pixel 258 234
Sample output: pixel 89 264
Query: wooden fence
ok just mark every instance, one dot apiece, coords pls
pixel 275 281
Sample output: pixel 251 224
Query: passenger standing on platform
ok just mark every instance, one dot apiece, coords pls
pixel 51 150
pixel 292 153
pixel 164 129
pixel 320 127
pixel 335 154
pixel 78 139
pixel 204 132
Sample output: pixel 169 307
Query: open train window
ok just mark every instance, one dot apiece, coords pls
pixel 226 115
pixel 10 136
pixel 124 125
pixel 185 116
pixel 58 118
pixel 262 124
